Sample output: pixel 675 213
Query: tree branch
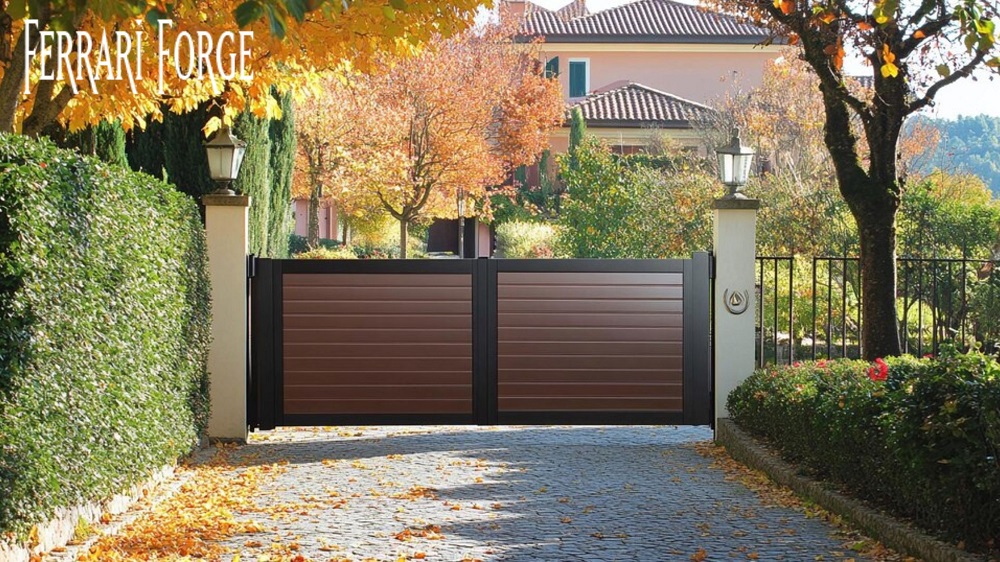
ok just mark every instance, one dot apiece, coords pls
pixel 963 72
pixel 929 29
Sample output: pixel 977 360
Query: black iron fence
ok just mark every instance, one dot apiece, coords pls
pixel 809 308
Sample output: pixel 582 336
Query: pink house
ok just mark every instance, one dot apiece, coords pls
pixel 328 220
pixel 646 64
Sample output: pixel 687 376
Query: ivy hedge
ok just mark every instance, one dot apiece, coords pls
pixel 918 437
pixel 104 329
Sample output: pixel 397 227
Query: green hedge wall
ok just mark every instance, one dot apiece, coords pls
pixel 920 438
pixel 104 329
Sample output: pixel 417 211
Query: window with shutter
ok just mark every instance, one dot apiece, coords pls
pixel 578 79
pixel 552 68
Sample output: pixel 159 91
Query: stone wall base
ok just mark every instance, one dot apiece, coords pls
pixel 58 531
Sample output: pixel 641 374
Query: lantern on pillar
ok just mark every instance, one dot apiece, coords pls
pixel 734 165
pixel 225 155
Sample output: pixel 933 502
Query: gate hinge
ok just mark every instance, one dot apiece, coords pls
pixel 251 266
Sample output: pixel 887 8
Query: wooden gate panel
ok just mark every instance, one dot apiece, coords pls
pixel 378 345
pixel 575 344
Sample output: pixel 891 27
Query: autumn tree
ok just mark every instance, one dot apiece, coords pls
pixel 913 49
pixel 292 40
pixel 459 116
pixel 340 145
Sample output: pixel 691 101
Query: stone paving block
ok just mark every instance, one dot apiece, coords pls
pixel 554 493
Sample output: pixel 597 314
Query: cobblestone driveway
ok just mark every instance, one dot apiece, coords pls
pixel 520 493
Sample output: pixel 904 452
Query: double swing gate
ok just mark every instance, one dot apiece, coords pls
pixel 479 341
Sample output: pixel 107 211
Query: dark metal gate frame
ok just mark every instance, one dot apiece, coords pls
pixel 265 378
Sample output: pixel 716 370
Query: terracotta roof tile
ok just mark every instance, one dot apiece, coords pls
pixel 642 21
pixel 633 105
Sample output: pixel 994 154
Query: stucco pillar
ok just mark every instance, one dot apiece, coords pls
pixel 735 255
pixel 226 219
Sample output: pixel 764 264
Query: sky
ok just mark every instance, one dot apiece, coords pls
pixel 965 97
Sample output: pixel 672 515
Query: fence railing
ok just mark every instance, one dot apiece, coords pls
pixel 809 308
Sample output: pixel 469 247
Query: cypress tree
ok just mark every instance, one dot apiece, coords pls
pixel 109 143
pixel 577 130
pixel 184 152
pixel 255 178
pixel 106 141
pixel 144 149
pixel 282 135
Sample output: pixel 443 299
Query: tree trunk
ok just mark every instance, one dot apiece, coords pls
pixel 312 235
pixel 880 325
pixel 403 234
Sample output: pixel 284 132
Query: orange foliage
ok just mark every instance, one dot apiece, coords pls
pixel 325 38
pixel 419 132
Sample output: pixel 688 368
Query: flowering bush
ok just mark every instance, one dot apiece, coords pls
pixel 919 437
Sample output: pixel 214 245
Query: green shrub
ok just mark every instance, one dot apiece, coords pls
pixel 340 253
pixel 104 329
pixel 522 239
pixel 299 244
pixel 923 443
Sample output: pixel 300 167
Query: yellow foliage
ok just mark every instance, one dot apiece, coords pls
pixel 326 38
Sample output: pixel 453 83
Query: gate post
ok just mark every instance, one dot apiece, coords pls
pixel 735 295
pixel 226 220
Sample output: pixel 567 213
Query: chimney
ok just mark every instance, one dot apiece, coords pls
pixel 514 9
pixel 573 10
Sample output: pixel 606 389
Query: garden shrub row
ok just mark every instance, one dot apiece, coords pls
pixel 918 437
pixel 104 329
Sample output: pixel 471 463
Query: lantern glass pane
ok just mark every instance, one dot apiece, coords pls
pixel 237 161
pixel 725 167
pixel 220 162
pixel 743 164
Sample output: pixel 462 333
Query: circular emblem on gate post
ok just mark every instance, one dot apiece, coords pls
pixel 736 302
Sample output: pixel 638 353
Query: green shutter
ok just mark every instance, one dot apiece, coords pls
pixel 552 68
pixel 577 79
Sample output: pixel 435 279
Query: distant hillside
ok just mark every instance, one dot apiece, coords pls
pixel 968 144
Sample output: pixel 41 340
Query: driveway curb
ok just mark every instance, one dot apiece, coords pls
pixel 891 532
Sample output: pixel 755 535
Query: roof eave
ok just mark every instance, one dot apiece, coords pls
pixel 635 124
pixel 652 39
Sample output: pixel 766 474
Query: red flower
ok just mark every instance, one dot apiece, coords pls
pixel 880 371
pixel 821 363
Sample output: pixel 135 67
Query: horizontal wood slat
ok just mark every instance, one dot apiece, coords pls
pixel 561 404
pixel 576 389
pixel 553 333
pixel 370 364
pixel 589 342
pixel 591 306
pixel 377 343
pixel 377 294
pixel 602 348
pixel 377 392
pixel 609 292
pixel 367 335
pixel 585 320
pixel 585 376
pixel 384 378
pixel 374 280
pixel 393 308
pixel 388 321
pixel 386 406
pixel 375 349
pixel 574 279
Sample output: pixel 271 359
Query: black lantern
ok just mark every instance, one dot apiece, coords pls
pixel 734 165
pixel 225 155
